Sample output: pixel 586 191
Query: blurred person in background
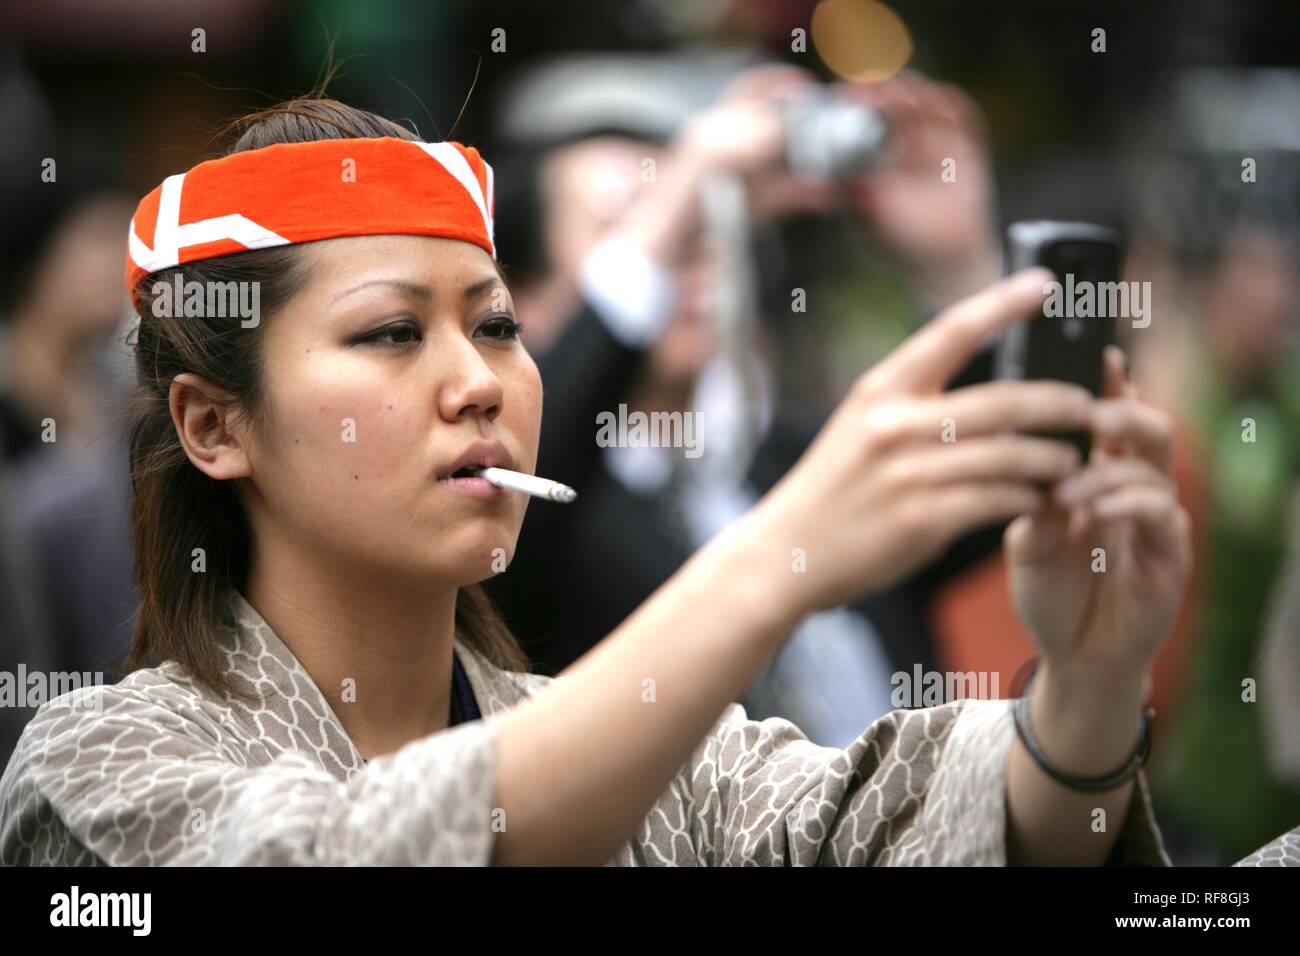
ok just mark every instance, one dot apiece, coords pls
pixel 61 218
pixel 1241 408
pixel 66 482
pixel 619 295
pixel 1216 197
pixel 64 546
pixel 61 309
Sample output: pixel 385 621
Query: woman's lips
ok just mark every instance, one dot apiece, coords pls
pixel 473 486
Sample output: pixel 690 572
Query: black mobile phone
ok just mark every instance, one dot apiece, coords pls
pixel 1065 342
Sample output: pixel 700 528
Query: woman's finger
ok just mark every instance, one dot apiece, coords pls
pixel 1114 372
pixel 940 349
pixel 1144 428
pixel 1161 524
pixel 1036 537
pixel 1134 501
pixel 960 508
pixel 1128 388
pixel 1023 406
pixel 975 411
pixel 1103 477
pixel 986 458
pixel 1114 384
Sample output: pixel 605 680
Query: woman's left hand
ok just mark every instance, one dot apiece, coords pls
pixel 1097 577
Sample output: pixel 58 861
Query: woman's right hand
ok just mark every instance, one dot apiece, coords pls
pixel 579 766
pixel 902 468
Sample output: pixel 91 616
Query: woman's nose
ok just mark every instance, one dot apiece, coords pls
pixel 469 384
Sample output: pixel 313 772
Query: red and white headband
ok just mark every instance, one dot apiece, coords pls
pixel 300 192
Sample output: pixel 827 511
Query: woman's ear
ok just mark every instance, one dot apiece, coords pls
pixel 210 427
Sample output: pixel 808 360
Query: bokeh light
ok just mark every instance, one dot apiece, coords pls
pixel 860 40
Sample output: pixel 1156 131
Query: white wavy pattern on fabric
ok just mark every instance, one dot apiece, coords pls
pixel 169 773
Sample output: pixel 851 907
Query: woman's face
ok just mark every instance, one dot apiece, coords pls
pixel 398 358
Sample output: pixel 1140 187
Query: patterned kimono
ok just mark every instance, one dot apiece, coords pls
pixel 1284 851
pixel 158 770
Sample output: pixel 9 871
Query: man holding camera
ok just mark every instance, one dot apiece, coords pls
pixel 644 336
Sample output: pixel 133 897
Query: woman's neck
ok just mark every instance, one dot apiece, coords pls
pixel 380 653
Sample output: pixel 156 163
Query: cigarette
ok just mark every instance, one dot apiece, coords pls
pixel 529 485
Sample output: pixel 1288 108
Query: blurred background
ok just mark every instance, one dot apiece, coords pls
pixel 1178 124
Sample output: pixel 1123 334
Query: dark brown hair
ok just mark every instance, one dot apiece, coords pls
pixel 175 508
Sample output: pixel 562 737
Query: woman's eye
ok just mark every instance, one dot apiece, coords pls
pixel 501 327
pixel 398 334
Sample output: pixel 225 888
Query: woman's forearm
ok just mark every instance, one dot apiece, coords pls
pixel 581 764
pixel 1085 728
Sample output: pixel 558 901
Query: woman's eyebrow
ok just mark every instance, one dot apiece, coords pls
pixel 481 286
pixel 416 289
pixel 421 291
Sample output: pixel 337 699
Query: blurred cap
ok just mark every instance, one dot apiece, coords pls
pixel 646 96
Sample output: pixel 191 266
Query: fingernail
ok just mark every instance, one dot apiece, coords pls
pixel 1068 490
pixel 1105 506
pixel 1123 359
pixel 1039 276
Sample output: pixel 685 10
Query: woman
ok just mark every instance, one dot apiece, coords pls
pixel 308 552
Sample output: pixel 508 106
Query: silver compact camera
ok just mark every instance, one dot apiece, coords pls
pixel 827 136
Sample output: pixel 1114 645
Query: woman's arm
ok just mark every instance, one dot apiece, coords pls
pixel 1097 578
pixel 1085 731
pixel 877 494
pixel 580 764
